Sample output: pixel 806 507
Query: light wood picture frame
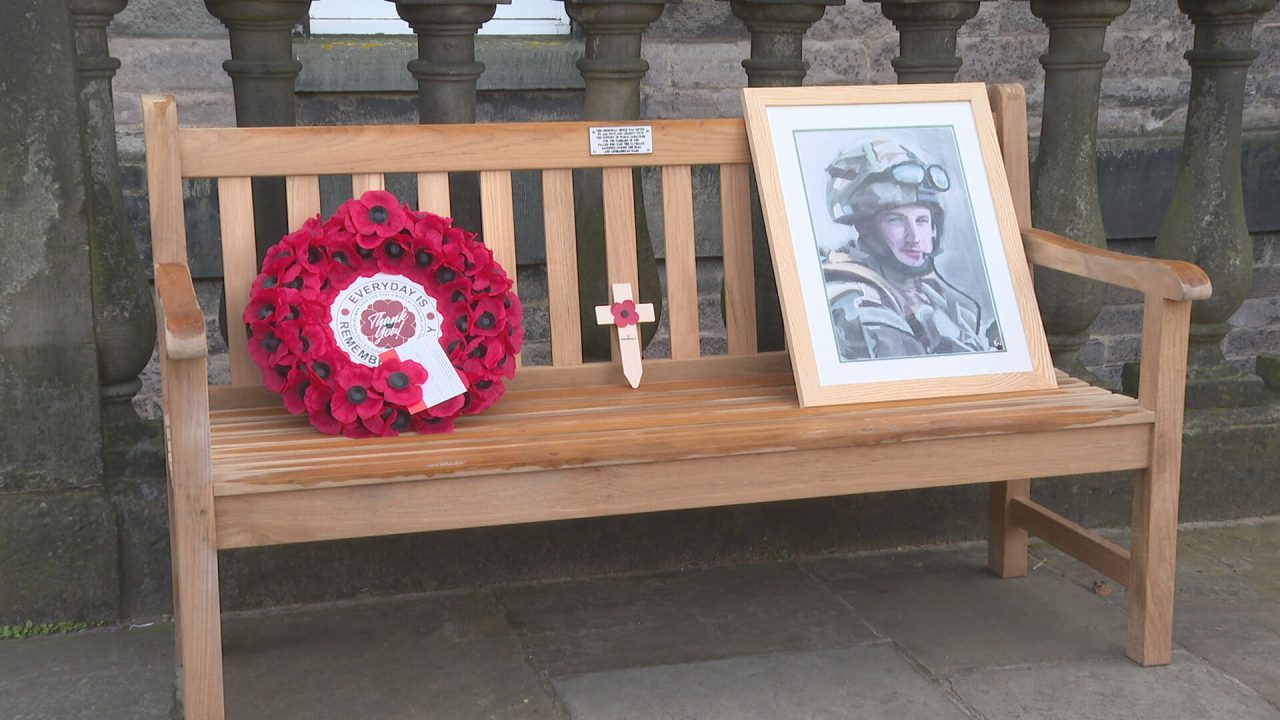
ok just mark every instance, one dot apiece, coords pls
pixel 895 243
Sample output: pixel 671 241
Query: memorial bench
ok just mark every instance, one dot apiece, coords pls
pixel 571 440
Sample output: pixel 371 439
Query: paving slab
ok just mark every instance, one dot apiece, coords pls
pixel 869 682
pixel 440 656
pixel 1188 689
pixel 950 613
pixel 1227 604
pixel 1227 609
pixel 98 675
pixel 576 627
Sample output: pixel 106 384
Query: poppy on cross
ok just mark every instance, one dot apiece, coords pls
pixel 626 315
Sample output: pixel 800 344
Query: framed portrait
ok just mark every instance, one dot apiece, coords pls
pixel 895 243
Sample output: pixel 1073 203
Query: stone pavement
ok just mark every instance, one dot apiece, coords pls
pixel 924 633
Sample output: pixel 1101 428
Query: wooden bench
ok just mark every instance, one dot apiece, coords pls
pixel 572 440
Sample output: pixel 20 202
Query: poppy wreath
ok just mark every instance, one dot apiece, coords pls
pixel 291 326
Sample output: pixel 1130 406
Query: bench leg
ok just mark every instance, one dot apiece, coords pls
pixel 1152 562
pixel 1006 542
pixel 198 625
pixel 196 605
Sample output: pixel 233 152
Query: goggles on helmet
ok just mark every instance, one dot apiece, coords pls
pixel 907 172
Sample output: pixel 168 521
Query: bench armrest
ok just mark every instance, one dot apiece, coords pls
pixel 180 315
pixel 1170 279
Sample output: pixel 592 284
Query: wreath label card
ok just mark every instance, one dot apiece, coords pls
pixel 385 314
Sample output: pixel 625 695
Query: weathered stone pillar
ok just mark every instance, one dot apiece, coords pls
pixel 57 529
pixel 124 320
pixel 447 70
pixel 1064 193
pixel 777 30
pixel 263 72
pixel 1206 222
pixel 612 69
pixel 927 31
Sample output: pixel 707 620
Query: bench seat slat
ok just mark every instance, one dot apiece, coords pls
pixel 265 450
pixel 359 510
pixel 661 407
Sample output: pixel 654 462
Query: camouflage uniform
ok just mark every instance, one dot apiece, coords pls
pixel 880 307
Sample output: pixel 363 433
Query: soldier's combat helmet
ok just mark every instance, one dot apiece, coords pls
pixel 880 175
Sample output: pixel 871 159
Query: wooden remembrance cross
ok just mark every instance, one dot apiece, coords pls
pixel 626 315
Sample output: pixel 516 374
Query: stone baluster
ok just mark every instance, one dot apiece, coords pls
pixel 612 69
pixel 263 71
pixel 447 70
pixel 1064 194
pixel 1206 222
pixel 124 319
pixel 777 30
pixel 927 37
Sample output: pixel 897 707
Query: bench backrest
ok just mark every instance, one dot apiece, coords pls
pixel 233 156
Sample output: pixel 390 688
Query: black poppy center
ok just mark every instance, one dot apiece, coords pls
pixel 265 311
pixel 314 255
pixel 379 214
pixel 484 384
pixel 398 380
pixel 423 258
pixel 357 394
pixel 321 370
pixel 394 249
pixel 402 421
pixel 271 342
pixel 461 323
pixel 625 313
pixel 365 253
pixel 445 274
pixel 340 257
pixel 486 320
pixel 269 281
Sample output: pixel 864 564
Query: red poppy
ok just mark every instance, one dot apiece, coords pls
pixel 354 395
pixel 295 390
pixel 265 307
pixel 377 214
pixel 426 425
pixel 390 422
pixel 488 350
pixel 483 390
pixel 400 382
pixel 488 317
pixel 317 402
pixel 395 254
pixel 268 350
pixel 447 409
pixel 624 313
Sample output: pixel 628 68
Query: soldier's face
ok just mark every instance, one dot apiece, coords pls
pixel 908 231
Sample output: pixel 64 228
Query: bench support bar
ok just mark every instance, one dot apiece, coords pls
pixel 1084 545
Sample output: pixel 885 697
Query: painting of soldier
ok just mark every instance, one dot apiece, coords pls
pixel 900 258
